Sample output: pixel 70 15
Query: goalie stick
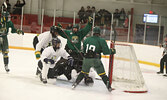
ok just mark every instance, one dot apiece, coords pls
pixel 111 59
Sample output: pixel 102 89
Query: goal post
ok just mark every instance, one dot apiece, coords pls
pixel 125 70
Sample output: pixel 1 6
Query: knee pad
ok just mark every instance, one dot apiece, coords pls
pixel 5 54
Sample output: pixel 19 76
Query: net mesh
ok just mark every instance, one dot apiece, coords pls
pixel 126 71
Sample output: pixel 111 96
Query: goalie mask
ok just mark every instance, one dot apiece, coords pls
pixel 56 43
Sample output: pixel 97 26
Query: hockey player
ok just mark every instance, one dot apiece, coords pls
pixel 93 47
pixel 41 41
pixel 164 58
pixel 74 38
pixel 5 24
pixel 49 57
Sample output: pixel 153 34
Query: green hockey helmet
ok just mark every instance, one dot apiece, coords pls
pixel 76 26
pixel 5 16
pixel 96 30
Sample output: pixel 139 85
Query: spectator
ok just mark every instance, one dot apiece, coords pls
pixel 69 27
pixel 8 6
pixel 116 17
pixel 82 15
pixel 122 16
pixel 18 7
pixel 88 12
pixel 105 32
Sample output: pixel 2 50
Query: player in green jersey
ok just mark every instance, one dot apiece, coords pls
pixel 5 24
pixel 74 38
pixel 93 47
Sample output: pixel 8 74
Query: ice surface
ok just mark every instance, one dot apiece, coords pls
pixel 22 84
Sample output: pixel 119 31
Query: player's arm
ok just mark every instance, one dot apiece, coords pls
pixel 65 55
pixel 14 30
pixel 86 30
pixel 106 49
pixel 45 56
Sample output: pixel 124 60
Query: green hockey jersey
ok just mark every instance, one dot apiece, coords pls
pixel 76 38
pixel 97 45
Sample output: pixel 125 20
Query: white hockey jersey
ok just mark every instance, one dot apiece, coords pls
pixel 44 40
pixel 50 53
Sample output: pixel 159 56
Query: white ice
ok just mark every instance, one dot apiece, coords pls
pixel 22 84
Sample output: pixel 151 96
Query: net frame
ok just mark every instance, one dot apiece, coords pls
pixel 125 71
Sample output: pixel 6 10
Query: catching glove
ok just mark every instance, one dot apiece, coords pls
pixel 37 54
pixel 51 61
pixel 90 19
pixel 70 61
pixel 20 32
pixel 113 51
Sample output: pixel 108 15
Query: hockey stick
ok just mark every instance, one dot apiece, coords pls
pixel 72 43
pixel 111 59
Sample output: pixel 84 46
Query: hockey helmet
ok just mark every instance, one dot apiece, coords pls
pixel 56 43
pixel 75 28
pixel 96 30
pixel 53 30
pixel 5 17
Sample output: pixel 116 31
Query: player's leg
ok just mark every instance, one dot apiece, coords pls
pixel 101 72
pixel 165 57
pixel 84 72
pixel 161 66
pixel 6 60
pixel 39 68
pixel 5 51
pixel 43 75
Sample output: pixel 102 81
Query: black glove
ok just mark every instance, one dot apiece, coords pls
pixel 70 61
pixel 46 60
pixel 20 32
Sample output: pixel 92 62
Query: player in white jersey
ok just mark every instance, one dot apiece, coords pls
pixel 50 56
pixel 43 40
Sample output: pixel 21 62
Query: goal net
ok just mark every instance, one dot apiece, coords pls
pixel 126 73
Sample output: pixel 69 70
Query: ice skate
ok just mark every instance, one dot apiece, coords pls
pixel 165 75
pixel 159 72
pixel 44 80
pixel 74 86
pixel 109 87
pixel 6 68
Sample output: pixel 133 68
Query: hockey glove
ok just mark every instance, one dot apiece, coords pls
pixel 90 19
pixel 37 54
pixel 113 51
pixel 70 61
pixel 51 61
pixel 47 61
pixel 20 32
